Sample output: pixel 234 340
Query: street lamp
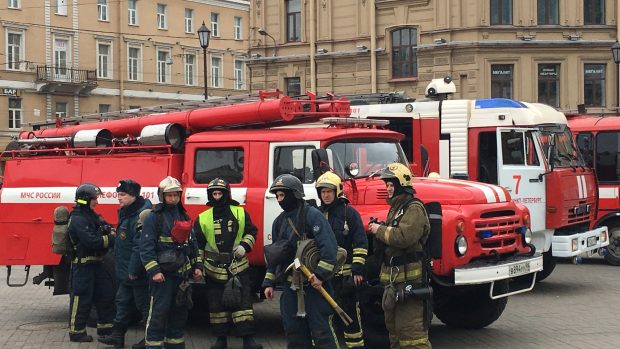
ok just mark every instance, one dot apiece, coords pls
pixel 263 32
pixel 203 35
pixel 615 52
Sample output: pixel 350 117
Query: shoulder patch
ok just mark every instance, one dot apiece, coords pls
pixel 316 228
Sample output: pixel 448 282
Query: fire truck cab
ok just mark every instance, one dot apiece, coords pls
pixel 526 148
pixel 598 140
pixel 482 245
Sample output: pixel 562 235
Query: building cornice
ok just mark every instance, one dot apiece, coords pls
pixel 242 5
pixel 14 25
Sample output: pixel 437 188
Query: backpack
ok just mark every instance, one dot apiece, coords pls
pixel 61 242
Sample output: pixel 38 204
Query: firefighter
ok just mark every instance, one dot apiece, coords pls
pixel 169 253
pixel 297 222
pixel 406 229
pixel 132 290
pixel 347 225
pixel 225 234
pixel 90 239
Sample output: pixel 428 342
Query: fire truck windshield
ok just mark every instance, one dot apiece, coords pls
pixel 565 153
pixel 368 156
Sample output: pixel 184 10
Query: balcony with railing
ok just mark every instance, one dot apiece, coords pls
pixel 63 80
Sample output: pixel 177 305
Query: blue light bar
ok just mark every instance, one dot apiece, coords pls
pixel 498 103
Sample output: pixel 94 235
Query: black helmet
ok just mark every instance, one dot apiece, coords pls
pixel 218 184
pixel 288 182
pixel 86 192
pixel 224 187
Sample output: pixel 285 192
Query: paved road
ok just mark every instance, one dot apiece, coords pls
pixel 576 307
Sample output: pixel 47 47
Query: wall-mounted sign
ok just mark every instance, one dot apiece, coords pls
pixel 12 92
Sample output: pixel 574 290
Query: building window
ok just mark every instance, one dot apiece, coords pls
pixel 102 9
pixel 501 12
pixel 293 20
pixel 104 60
pixel 134 63
pixel 189 20
pixel 593 12
pixel 549 84
pixel 60 7
pixel 293 86
pixel 237 28
pixel 239 75
pixel 548 12
pixel 215 24
pixel 501 80
pixel 104 108
pixel 163 68
pixel 404 53
pixel 190 69
pixel 14 50
pixel 15 113
pixel 161 16
pixel 594 85
pixel 62 59
pixel 132 12
pixel 216 71
pixel 14 4
pixel 61 109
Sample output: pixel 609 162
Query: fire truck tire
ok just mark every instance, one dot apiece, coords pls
pixel 468 307
pixel 613 250
pixel 548 266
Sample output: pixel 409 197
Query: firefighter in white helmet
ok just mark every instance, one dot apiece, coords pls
pixel 350 235
pixel 401 240
pixel 170 256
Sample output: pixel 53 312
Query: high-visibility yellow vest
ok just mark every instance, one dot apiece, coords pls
pixel 208 226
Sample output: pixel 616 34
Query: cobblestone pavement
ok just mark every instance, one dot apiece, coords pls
pixel 576 307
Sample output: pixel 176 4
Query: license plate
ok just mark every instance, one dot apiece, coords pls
pixel 519 269
pixel 592 240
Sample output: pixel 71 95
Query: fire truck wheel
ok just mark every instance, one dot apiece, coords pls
pixel 613 250
pixel 548 266
pixel 468 307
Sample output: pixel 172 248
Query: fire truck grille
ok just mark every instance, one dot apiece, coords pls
pixel 580 213
pixel 498 233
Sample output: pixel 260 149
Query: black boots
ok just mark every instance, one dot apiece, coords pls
pixel 139 345
pixel 220 343
pixel 250 343
pixel 80 338
pixel 116 338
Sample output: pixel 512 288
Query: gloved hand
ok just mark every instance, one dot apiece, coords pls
pixel 239 251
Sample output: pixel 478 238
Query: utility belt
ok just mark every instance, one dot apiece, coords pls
pixel 86 259
pixel 223 259
pixel 402 259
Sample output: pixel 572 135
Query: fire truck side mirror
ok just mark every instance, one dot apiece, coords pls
pixel 320 162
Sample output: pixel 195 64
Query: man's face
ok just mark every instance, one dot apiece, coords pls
pixel 280 196
pixel 125 199
pixel 390 189
pixel 172 198
pixel 217 195
pixel 327 195
pixel 93 203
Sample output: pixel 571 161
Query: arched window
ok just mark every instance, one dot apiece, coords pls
pixel 404 55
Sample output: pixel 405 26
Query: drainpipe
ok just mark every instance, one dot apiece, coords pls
pixel 312 46
pixel 121 78
pixel 373 47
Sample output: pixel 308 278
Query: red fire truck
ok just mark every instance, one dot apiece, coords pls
pixel 598 140
pixel 483 243
pixel 524 147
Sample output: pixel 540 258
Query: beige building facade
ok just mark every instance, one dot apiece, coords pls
pixel 76 57
pixel 554 51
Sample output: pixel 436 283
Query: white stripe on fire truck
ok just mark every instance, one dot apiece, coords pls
pixel 608 193
pixel 63 195
pixel 485 189
pixel 584 185
pixel 198 196
pixel 579 187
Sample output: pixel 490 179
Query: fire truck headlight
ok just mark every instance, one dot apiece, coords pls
pixel 574 244
pixel 461 245
pixel 527 235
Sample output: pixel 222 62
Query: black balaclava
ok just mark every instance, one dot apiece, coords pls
pixel 398 189
pixel 223 201
pixel 289 202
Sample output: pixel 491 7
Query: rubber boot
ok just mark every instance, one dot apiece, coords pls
pixel 116 338
pixel 250 343
pixel 80 338
pixel 139 345
pixel 220 343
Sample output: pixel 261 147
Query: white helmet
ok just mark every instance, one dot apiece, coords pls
pixel 168 185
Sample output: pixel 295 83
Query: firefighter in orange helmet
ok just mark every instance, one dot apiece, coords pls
pixel 402 236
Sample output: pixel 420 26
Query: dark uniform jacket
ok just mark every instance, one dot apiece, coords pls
pixel 88 238
pixel 126 245
pixel 350 236
pixel 407 228
pixel 156 239
pixel 316 227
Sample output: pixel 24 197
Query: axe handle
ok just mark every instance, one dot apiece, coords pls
pixel 345 318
